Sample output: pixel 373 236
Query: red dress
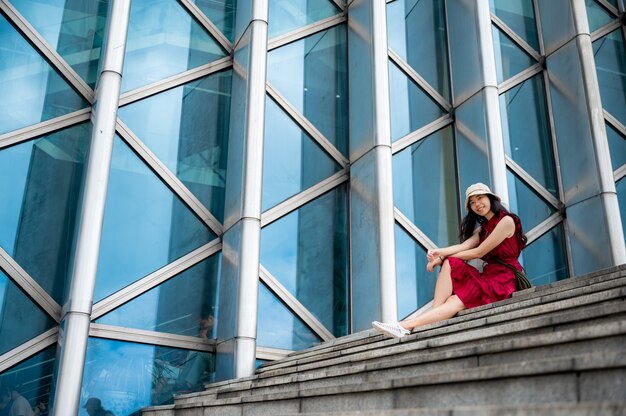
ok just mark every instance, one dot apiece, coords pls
pixel 496 282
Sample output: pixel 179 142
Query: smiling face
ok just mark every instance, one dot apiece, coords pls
pixel 480 204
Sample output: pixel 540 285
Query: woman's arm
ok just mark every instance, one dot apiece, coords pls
pixel 504 229
pixel 470 243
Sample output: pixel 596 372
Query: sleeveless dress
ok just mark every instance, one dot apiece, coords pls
pixel 496 282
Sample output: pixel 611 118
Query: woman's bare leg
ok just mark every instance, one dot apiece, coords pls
pixel 447 310
pixel 443 287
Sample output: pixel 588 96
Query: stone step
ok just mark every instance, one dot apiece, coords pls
pixel 556 409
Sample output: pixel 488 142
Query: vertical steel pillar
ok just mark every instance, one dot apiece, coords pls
pixel 239 287
pixel 372 253
pixel 77 308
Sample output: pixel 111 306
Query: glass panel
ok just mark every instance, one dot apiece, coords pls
pixel 278 327
pixel 410 107
pixel 288 15
pixel 621 196
pixel 555 35
pixel 164 40
pixel 293 161
pixel 464 48
pixel 597 15
pixel 416 286
pixel 529 206
pixel 611 68
pixel 416 31
pixel 183 305
pixel 145 225
pixel 221 13
pixel 20 318
pixel 424 186
pixel 519 15
pixel 40 182
pixel 31 90
pixel 32 379
pixel 187 128
pixel 544 260
pixel 617 144
pixel 510 58
pixel 471 133
pixel 526 131
pixel 74 28
pixel 312 74
pixel 126 377
pixel 307 252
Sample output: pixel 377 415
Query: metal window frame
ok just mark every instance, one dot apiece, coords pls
pixel 544 226
pixel 605 30
pixel 499 23
pixel 609 7
pixel 519 78
pixel 421 133
pixel 28 349
pixel 207 24
pixel 533 184
pixel 271 354
pixel 306 31
pixel 291 302
pixel 413 230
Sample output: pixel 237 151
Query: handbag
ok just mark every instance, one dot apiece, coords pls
pixel 521 281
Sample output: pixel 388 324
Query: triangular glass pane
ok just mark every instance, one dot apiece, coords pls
pixel 617 144
pixel 424 186
pixel 74 28
pixel 183 305
pixel 544 260
pixel 621 196
pixel 410 107
pixel 418 286
pixel 32 91
pixel 146 226
pixel 306 251
pixel 187 129
pixel 526 131
pixel 610 57
pixel 519 15
pixel 20 319
pixel 221 13
pixel 288 15
pixel 597 15
pixel 312 74
pixel 524 202
pixel 417 30
pixel 40 183
pixel 33 378
pixel 164 40
pixel 279 327
pixel 292 160
pixel 510 58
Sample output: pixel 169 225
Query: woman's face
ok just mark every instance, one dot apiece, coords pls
pixel 480 204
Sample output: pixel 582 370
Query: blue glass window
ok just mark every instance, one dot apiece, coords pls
pixel 292 160
pixel 424 186
pixel 31 90
pixel 221 13
pixel 74 28
pixel 621 196
pixel 164 40
pixel 288 15
pixel 529 206
pixel 40 183
pixel 544 260
pixel 510 58
pixel 519 15
pixel 415 285
pixel 278 327
pixel 312 74
pixel 617 144
pixel 464 49
pixel 417 30
pixel 611 68
pixel 145 225
pixel 127 376
pixel 307 252
pixel 597 15
pixel 187 129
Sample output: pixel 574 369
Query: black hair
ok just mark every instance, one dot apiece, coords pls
pixel 471 220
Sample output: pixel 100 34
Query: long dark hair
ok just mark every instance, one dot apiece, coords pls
pixel 469 222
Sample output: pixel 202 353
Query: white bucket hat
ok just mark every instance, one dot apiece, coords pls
pixel 477 189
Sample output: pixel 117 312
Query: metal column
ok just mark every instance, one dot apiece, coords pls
pixel 372 253
pixel 239 287
pixel 77 309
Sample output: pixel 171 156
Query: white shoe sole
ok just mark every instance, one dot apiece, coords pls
pixel 384 330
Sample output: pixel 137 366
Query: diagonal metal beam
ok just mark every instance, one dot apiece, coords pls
pixel 305 31
pixel 421 133
pixel 544 226
pixel 28 349
pixel 413 230
pixel 207 24
pixel 515 80
pixel 516 38
pixel 532 182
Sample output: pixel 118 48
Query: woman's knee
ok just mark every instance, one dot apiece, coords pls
pixel 456 302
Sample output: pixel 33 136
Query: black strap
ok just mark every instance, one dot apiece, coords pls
pixel 522 282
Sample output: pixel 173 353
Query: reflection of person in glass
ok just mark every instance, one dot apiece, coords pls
pixel 198 365
pixel 17 404
pixel 488 232
pixel 93 406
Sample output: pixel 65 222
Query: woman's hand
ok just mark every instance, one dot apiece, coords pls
pixel 433 263
pixel 433 254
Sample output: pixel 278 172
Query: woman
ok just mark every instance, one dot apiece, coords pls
pixel 499 237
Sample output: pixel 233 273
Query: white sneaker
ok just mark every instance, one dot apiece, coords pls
pixel 392 329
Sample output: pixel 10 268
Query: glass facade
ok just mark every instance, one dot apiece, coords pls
pixel 179 191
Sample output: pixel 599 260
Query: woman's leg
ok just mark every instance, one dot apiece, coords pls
pixel 443 288
pixel 447 310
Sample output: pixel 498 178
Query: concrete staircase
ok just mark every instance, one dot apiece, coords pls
pixel 553 350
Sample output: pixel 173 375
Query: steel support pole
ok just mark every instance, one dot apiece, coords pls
pixel 608 193
pixel 77 309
